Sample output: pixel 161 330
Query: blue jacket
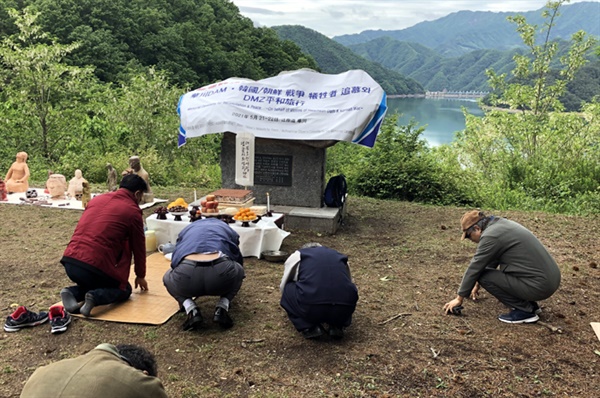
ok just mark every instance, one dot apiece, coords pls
pixel 324 278
pixel 208 235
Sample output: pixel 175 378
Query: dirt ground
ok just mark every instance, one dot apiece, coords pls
pixel 407 261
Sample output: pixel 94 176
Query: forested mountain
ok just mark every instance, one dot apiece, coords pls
pixel 465 31
pixel 467 72
pixel 334 58
pixel 433 71
pixel 195 41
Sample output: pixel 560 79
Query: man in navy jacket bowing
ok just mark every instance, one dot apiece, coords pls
pixel 317 289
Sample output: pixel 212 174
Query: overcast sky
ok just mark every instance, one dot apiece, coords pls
pixel 338 17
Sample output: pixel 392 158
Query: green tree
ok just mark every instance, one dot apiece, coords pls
pixel 533 155
pixel 44 97
pixel 400 166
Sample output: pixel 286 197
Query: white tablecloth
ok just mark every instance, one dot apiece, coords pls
pixel 255 239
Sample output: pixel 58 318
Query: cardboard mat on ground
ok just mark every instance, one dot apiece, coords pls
pixel 596 327
pixel 43 200
pixel 152 307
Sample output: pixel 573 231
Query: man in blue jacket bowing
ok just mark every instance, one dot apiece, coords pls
pixel 206 262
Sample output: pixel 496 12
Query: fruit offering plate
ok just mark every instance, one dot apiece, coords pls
pixel 246 223
pixel 217 214
pixel 178 214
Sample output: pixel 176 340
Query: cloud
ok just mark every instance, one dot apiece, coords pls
pixel 255 10
pixel 339 17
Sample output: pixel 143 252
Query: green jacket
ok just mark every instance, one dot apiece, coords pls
pixel 513 249
pixel 101 373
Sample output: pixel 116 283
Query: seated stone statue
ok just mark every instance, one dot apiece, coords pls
pixel 17 178
pixel 135 167
pixel 75 185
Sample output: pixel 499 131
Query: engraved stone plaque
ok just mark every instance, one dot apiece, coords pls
pixel 273 170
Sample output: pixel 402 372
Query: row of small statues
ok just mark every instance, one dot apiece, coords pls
pixel 17 180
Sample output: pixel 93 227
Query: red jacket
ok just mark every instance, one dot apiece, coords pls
pixel 111 228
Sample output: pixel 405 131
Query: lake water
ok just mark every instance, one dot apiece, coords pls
pixel 440 117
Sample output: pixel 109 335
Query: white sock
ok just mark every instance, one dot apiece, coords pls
pixel 189 305
pixel 223 303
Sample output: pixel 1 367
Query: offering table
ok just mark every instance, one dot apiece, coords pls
pixel 254 239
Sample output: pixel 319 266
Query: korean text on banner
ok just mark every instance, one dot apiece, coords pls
pixel 296 105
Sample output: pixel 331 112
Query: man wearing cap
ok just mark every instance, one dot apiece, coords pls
pixel 510 263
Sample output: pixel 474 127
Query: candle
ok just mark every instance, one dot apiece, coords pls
pixel 195 198
pixel 268 203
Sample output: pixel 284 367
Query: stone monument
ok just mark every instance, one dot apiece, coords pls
pixel 291 171
pixel 17 177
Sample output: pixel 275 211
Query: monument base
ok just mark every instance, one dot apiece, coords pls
pixel 324 219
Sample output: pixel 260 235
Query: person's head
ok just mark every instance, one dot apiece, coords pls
pixel 473 224
pixel 77 173
pixel 311 244
pixel 139 358
pixel 135 184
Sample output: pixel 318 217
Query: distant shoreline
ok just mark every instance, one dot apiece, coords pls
pixel 443 94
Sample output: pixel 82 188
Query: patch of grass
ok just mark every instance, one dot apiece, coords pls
pixel 151 334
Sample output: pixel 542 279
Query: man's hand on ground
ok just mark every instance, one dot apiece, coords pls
pixel 453 303
pixel 475 292
pixel 141 282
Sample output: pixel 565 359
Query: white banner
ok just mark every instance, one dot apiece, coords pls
pixel 244 159
pixel 297 105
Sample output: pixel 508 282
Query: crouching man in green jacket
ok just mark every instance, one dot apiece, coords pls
pixel 510 263
pixel 124 371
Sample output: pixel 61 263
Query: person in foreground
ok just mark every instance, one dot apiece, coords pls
pixel 206 262
pixel 124 371
pixel 510 263
pixel 98 257
pixel 316 289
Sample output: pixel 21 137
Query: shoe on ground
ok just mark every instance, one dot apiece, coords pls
pixel 59 319
pixel 222 318
pixel 193 321
pixel 23 318
pixel 69 301
pixel 518 316
pixel 88 305
pixel 536 308
pixel 336 333
pixel 313 333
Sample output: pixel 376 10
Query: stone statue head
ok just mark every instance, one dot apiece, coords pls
pixel 134 162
